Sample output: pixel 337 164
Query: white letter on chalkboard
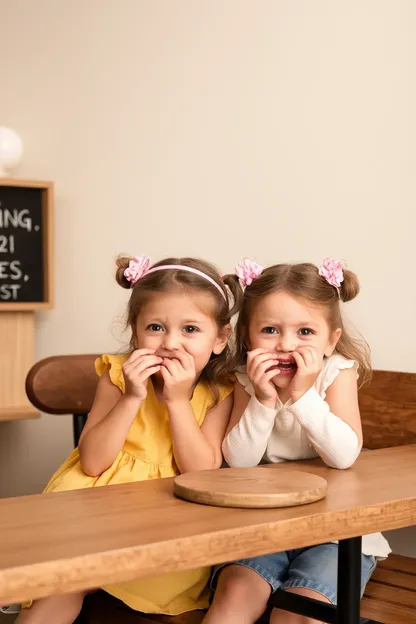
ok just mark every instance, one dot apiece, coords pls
pixel 15 270
pixel 25 221
pixel 3 269
pixel 15 218
pixel 9 291
pixel 14 288
pixel 5 293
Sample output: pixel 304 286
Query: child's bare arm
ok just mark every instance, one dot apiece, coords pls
pixel 194 447
pixel 107 426
pixel 112 413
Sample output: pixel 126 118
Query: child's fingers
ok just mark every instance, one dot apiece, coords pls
pixel 149 372
pixel 171 366
pixel 300 362
pixel 132 362
pixel 165 374
pixel 259 359
pixel 179 369
pixel 140 365
pixel 253 354
pixel 307 357
pixel 185 359
pixel 313 358
pixel 146 361
pixel 272 373
pixel 138 353
pixel 310 357
pixel 262 368
pixel 267 355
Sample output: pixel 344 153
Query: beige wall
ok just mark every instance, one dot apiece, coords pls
pixel 280 129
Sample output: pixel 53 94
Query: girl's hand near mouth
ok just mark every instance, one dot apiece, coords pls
pixel 262 366
pixel 309 365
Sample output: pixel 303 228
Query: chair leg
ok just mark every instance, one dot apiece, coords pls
pixel 78 422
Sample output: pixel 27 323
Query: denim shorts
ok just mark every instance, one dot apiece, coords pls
pixel 314 568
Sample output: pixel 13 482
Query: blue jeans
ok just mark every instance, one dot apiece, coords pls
pixel 314 568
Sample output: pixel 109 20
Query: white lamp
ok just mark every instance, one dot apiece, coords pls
pixel 11 150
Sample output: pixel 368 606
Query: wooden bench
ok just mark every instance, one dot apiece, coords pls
pixel 66 385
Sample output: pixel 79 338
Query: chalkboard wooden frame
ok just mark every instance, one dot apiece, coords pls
pixel 47 190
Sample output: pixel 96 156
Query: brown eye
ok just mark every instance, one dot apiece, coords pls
pixel 190 329
pixel 306 331
pixel 154 327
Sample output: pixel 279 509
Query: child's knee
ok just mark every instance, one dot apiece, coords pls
pixel 62 609
pixel 239 586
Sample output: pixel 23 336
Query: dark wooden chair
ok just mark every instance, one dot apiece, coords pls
pixel 66 385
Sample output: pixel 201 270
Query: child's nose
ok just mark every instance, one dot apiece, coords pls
pixel 171 341
pixel 287 343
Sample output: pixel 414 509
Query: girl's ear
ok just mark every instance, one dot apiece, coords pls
pixel 133 335
pixel 246 341
pixel 333 340
pixel 222 339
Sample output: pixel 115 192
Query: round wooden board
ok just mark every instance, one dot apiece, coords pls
pixel 250 487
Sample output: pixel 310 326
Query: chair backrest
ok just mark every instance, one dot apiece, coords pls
pixel 63 384
pixel 388 409
pixel 66 385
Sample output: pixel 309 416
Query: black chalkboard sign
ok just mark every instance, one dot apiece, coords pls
pixel 25 245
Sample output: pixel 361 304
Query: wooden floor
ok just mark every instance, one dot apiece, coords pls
pixel 390 596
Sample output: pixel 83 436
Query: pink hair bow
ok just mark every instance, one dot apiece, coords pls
pixel 137 268
pixel 333 271
pixel 247 271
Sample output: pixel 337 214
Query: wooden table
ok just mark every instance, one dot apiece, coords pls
pixel 69 541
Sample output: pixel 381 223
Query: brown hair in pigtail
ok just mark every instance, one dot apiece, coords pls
pixel 218 369
pixel 233 283
pixel 122 263
pixel 350 287
pixel 353 347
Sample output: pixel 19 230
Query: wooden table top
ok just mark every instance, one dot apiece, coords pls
pixel 53 543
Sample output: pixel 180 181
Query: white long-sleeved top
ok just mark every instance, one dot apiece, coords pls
pixel 302 430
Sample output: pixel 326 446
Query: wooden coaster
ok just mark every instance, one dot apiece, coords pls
pixel 250 487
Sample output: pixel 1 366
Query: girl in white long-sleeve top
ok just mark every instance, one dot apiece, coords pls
pixel 295 398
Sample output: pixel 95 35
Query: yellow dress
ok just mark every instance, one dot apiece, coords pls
pixel 147 454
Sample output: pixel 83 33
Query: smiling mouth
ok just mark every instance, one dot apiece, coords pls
pixel 287 366
pixel 284 366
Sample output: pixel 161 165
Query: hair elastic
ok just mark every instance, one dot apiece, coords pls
pixel 139 268
pixel 333 272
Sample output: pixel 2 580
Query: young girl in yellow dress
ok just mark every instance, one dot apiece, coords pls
pixel 160 410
